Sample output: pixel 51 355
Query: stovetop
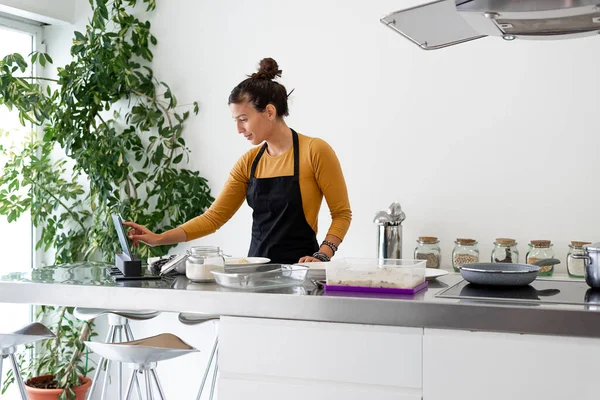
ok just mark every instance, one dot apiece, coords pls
pixel 544 291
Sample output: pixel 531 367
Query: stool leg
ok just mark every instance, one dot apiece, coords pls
pixel 214 378
pixel 1 362
pixel 138 387
pixel 106 376
pixel 148 387
pixel 207 370
pixel 160 389
pixel 130 385
pixel 18 376
pixel 120 367
pixel 97 373
pixel 129 337
pixel 108 365
pixel 128 332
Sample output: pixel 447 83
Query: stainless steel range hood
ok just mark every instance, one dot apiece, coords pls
pixel 445 23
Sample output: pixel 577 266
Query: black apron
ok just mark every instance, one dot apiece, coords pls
pixel 279 228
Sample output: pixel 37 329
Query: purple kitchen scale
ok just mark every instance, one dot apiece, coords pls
pixel 414 290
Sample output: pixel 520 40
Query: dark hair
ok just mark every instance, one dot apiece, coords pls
pixel 261 90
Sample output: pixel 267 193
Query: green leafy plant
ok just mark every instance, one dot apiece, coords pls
pixel 112 142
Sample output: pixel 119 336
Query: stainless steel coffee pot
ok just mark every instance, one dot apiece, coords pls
pixel 591 258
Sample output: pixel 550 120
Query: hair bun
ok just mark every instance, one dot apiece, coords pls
pixel 267 69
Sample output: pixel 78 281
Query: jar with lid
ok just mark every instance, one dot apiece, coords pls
pixel 465 252
pixel 505 251
pixel 539 250
pixel 201 261
pixel 576 266
pixel 428 249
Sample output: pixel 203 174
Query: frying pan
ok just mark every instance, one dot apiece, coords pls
pixel 504 274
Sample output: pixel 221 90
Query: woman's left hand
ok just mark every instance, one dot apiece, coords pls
pixel 309 259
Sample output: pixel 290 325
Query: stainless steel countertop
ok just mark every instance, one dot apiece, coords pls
pixel 88 285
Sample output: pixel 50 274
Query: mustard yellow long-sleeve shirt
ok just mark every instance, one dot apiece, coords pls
pixel 320 175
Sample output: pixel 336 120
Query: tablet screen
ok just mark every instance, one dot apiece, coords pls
pixel 118 222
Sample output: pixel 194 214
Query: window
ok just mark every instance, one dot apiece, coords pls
pixel 16 238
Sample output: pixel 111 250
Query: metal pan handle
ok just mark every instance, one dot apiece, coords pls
pixel 588 259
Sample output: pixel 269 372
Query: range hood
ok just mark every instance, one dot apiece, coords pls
pixel 445 23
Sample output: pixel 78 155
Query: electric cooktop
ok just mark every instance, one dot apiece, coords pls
pixel 544 291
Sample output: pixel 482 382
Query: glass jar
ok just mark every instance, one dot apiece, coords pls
pixel 428 249
pixel 576 267
pixel 539 250
pixel 505 251
pixel 465 252
pixel 201 261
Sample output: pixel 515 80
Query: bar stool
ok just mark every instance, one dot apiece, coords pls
pixel 195 319
pixel 8 346
pixel 144 354
pixel 118 321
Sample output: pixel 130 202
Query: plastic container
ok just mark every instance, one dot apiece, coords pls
pixel 465 252
pixel 376 273
pixel 505 251
pixel 201 261
pixel 539 250
pixel 576 266
pixel 260 277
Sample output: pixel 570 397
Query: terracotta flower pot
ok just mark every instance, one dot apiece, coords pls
pixel 52 394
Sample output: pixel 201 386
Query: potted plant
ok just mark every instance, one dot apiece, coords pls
pixel 59 368
pixel 112 142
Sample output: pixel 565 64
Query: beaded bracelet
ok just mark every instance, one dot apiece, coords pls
pixel 321 256
pixel 331 245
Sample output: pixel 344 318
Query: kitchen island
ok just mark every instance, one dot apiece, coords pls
pixel 298 342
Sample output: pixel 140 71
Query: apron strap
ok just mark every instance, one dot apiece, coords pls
pixel 256 159
pixel 296 155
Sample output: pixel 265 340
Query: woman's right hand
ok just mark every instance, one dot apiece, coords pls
pixel 139 233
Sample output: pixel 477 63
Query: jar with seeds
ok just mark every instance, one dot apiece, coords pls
pixel 539 250
pixel 428 249
pixel 505 251
pixel 576 266
pixel 465 252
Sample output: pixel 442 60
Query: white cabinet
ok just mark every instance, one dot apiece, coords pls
pixel 463 365
pixel 277 359
pixel 230 389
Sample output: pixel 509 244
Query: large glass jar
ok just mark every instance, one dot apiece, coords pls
pixel 428 249
pixel 465 252
pixel 201 261
pixel 576 266
pixel 505 251
pixel 539 250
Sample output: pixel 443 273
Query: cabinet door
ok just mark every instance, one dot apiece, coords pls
pixel 462 365
pixel 316 351
pixel 236 389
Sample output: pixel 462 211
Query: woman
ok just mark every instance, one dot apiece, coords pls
pixel 283 181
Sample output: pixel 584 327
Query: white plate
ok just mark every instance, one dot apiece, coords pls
pixel 434 273
pixel 245 261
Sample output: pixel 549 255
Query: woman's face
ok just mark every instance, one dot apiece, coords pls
pixel 254 125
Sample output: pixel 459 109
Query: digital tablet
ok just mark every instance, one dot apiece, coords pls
pixel 123 240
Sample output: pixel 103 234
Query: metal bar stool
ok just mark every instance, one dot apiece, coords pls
pixel 118 322
pixel 144 354
pixel 195 319
pixel 8 346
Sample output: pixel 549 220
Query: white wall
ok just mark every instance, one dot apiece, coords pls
pixel 487 139
pixel 48 11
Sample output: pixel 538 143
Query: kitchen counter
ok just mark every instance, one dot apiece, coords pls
pixel 89 285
